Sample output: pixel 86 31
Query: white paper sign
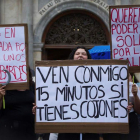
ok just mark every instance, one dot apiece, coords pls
pixel 12 54
pixel 82 94
pixel 125 34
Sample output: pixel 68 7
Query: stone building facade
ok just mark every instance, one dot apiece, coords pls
pixel 57 26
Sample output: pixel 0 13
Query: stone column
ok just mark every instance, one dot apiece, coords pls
pixel 27 17
pixel 126 2
pixel 38 51
pixel 117 2
pixel 2 2
pixel 0 11
pixel 110 2
pixel 136 2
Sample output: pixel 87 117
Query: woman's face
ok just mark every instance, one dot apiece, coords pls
pixel 80 54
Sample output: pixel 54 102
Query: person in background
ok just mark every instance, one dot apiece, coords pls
pixel 17 120
pixel 133 110
pixel 137 82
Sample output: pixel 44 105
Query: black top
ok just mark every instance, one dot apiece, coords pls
pixel 18 106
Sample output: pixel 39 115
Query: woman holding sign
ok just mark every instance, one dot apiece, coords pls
pixel 17 120
pixel 133 108
pixel 79 53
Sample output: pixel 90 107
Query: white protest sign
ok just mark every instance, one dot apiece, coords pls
pixel 13 54
pixel 125 34
pixel 88 93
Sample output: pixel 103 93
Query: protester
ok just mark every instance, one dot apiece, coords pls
pixel 17 120
pixel 79 53
pixel 133 108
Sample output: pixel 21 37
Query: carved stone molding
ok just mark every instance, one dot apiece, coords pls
pixel 76 29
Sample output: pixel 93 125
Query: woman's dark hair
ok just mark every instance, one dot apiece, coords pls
pixel 135 79
pixel 71 56
pixel 30 77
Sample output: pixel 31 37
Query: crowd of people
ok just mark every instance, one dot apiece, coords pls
pixel 17 119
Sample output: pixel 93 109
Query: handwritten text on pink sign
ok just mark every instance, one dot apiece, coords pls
pixel 12 54
pixel 125 32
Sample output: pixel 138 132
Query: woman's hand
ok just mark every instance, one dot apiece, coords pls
pixel 136 99
pixel 34 108
pixel 134 90
pixel 2 92
pixel 129 107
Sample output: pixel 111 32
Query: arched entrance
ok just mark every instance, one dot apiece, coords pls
pixel 70 29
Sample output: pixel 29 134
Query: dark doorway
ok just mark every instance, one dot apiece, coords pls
pixel 57 54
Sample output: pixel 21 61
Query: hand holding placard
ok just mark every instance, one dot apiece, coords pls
pixel 2 93
pixel 4 84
